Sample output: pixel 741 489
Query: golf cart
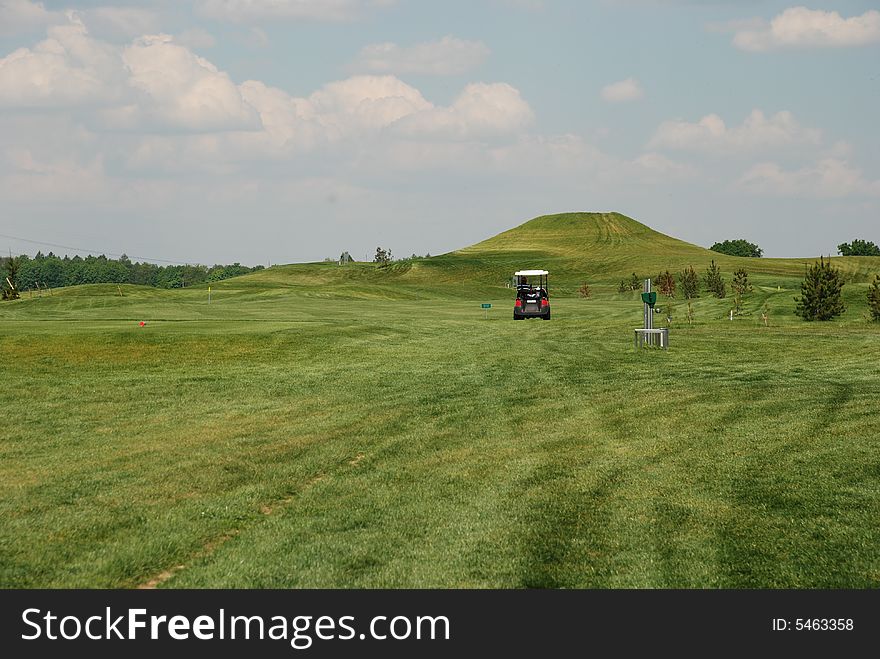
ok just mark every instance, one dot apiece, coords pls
pixel 532 299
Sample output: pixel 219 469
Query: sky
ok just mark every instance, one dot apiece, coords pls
pixel 281 131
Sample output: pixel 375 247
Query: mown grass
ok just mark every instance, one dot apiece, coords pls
pixel 288 436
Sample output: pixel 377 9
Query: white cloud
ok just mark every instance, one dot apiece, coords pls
pixel 799 27
pixel 828 178
pixel 375 100
pixel 622 91
pixel 68 68
pixel 182 90
pixel 758 132
pixel 362 124
pixel 243 11
pixel 447 56
pixel 118 119
pixel 481 111
pixel 20 15
pixel 156 85
pixel 363 107
pixel 151 84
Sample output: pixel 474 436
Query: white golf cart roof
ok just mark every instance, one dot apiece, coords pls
pixel 530 273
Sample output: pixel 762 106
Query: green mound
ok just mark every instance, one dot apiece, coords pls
pixel 598 248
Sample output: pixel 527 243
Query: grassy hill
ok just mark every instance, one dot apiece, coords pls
pixel 598 248
pixel 601 248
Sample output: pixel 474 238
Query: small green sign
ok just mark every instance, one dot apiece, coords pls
pixel 486 306
pixel 650 298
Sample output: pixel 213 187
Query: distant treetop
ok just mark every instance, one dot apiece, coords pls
pixel 738 248
pixel 858 248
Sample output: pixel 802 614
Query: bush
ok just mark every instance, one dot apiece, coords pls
pixel 585 291
pixel 821 293
pixel 738 248
pixel 874 299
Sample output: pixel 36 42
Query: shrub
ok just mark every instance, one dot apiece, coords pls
pixel 821 293
pixel 585 291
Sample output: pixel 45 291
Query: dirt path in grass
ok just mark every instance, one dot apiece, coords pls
pixel 213 545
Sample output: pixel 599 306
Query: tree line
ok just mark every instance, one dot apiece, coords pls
pixel 740 247
pixel 49 270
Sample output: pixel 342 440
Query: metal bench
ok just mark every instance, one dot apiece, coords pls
pixel 642 335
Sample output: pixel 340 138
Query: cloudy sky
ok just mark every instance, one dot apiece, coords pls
pixel 289 130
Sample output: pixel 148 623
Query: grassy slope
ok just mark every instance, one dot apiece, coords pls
pixel 275 438
pixel 601 248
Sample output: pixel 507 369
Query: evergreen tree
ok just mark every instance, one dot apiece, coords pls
pixel 741 287
pixel 690 283
pixel 821 293
pixel 874 299
pixel 714 282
